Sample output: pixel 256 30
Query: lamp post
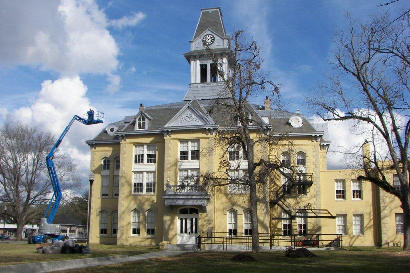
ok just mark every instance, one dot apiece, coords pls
pixel 90 191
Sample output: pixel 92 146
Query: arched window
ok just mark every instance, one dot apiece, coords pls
pixel 141 122
pixel 285 159
pixel 232 223
pixel 106 164
pixel 301 159
pixel 150 222
pixel 135 222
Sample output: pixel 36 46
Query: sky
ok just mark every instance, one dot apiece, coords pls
pixel 58 58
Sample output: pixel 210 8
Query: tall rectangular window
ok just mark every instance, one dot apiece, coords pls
pixel 143 182
pixel 135 222
pixel 204 72
pixel 358 224
pixel 341 224
pixel 232 223
pixel 399 223
pixel 237 182
pixel 247 226
pixel 150 223
pixel 116 185
pixel 105 182
pixel 114 223
pixel 356 190
pixel 340 189
pixel 302 225
pixel 286 224
pixel 214 72
pixel 103 222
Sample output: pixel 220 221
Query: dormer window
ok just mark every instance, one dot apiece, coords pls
pixel 141 122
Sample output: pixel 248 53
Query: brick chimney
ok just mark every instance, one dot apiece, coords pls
pixel 141 107
pixel 267 103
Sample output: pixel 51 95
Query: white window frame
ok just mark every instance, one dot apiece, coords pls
pixel 232 222
pixel 103 223
pixel 150 223
pixel 301 221
pixel 105 186
pixel 358 224
pixel 135 223
pixel 117 164
pixel 238 153
pixel 145 182
pixel 141 123
pixel 340 185
pixel 247 223
pixel 341 224
pixel 286 224
pixel 190 147
pixel 237 188
pixel 188 176
pixel 146 149
pixel 285 160
pixel 357 189
pixel 301 156
pixel 114 223
pixel 399 221
pixel 105 164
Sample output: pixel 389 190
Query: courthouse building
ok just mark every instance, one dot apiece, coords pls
pixel 148 170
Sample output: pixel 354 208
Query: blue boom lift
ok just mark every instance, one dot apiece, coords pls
pixel 48 231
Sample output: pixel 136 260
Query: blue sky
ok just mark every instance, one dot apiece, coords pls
pixel 60 57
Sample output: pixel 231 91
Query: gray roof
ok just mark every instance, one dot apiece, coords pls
pixel 206 91
pixel 217 113
pixel 210 18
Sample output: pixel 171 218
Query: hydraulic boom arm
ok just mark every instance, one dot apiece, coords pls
pixel 55 199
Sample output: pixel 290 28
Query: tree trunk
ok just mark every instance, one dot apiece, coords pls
pixel 20 227
pixel 254 216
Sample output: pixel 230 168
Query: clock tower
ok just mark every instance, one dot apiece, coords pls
pixel 210 50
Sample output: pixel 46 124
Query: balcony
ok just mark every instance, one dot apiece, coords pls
pixel 185 195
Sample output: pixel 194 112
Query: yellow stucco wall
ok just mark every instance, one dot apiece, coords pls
pixel 213 217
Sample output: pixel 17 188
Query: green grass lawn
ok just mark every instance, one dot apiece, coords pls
pixel 15 253
pixel 354 260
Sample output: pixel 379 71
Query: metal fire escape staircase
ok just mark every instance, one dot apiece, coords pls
pixel 296 182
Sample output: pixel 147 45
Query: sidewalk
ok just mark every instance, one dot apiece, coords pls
pixel 83 263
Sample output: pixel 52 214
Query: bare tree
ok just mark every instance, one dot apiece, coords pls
pixel 24 182
pixel 243 131
pixel 370 85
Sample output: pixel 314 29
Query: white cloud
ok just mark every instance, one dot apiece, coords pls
pixel 348 136
pixel 3 112
pixel 114 83
pixel 58 101
pixel 128 21
pixel 66 36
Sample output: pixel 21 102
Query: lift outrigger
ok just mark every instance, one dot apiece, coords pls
pixel 47 230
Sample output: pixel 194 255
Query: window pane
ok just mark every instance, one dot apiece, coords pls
pixel 301 159
pixel 204 72
pixel 358 224
pixel 341 224
pixel 106 164
pixel 135 223
pixel 399 223
pixel 150 222
pixel 214 72
pixel 117 163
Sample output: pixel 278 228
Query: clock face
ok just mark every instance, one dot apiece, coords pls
pixel 296 121
pixel 208 39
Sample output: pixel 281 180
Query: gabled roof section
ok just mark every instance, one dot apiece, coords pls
pixel 190 116
pixel 211 19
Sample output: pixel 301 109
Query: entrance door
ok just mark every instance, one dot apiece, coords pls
pixel 187 225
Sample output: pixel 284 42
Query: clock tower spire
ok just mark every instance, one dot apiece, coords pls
pixel 210 43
